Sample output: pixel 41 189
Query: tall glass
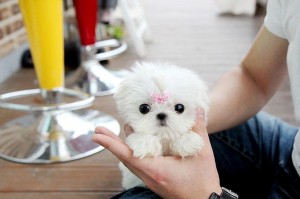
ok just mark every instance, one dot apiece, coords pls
pixel 43 20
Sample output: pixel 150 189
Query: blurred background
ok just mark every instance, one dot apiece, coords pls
pixel 206 36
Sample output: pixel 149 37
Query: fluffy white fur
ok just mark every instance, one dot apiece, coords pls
pixel 153 136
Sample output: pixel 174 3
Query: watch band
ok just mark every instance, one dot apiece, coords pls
pixel 226 194
pixel 214 196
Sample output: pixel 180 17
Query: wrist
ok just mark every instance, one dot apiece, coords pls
pixel 208 192
pixel 218 191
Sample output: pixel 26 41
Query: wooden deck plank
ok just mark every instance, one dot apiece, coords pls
pixel 187 33
pixel 60 178
pixel 57 195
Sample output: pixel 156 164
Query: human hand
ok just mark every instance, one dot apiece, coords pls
pixel 169 177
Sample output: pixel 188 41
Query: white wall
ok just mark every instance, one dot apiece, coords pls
pixel 11 63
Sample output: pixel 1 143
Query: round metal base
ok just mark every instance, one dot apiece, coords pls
pixel 94 79
pixel 91 76
pixel 50 137
pixel 122 73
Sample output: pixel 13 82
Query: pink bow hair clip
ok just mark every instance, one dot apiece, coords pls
pixel 160 98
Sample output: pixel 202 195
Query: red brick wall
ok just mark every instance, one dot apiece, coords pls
pixel 12 31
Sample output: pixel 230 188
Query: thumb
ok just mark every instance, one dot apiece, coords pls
pixel 200 128
pixel 200 124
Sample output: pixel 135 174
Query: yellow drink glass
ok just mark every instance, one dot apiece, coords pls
pixel 43 20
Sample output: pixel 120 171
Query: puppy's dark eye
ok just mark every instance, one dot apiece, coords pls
pixel 144 108
pixel 179 108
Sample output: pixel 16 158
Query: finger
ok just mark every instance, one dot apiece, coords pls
pixel 200 124
pixel 128 130
pixel 200 128
pixel 115 146
pixel 107 132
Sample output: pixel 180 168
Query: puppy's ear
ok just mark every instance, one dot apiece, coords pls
pixel 121 91
pixel 123 86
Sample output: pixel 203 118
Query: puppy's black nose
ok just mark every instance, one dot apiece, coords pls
pixel 161 116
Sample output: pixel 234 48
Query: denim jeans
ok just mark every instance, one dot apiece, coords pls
pixel 253 159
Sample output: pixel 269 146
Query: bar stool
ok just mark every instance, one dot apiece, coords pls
pixel 58 129
pixel 92 77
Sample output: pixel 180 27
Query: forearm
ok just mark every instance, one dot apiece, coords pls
pixel 235 98
pixel 244 90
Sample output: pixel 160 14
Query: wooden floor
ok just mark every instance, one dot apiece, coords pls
pixel 187 33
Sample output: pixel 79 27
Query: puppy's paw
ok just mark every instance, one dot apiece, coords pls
pixel 144 145
pixel 188 144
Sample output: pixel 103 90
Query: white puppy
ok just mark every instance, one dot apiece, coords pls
pixel 159 101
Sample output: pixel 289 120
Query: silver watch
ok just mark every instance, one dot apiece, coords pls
pixel 226 194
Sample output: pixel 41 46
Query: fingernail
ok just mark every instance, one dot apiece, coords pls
pixel 97 131
pixel 200 113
